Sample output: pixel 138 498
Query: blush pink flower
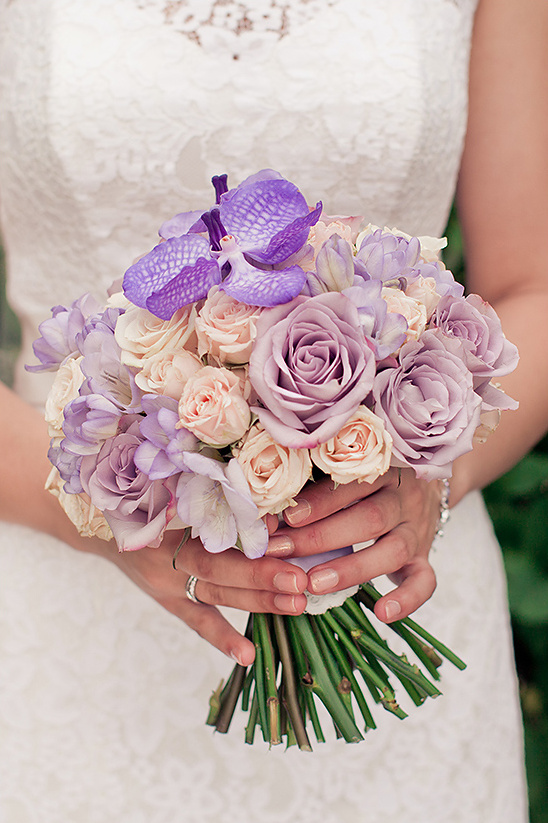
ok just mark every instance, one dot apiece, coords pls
pixel 213 408
pixel 360 450
pixel 226 328
pixel 275 473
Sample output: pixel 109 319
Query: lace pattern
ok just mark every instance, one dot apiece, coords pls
pixel 190 17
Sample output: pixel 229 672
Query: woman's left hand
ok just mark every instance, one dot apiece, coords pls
pixel 398 511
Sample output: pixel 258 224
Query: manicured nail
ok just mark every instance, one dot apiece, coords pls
pixel 323 581
pixel 235 657
pixel 286 582
pixel 285 603
pixel 297 514
pixel 392 609
pixel 280 545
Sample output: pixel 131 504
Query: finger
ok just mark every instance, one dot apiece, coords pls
pixel 250 601
pixel 210 624
pixel 418 586
pixel 368 519
pixel 322 498
pixel 387 556
pixel 233 569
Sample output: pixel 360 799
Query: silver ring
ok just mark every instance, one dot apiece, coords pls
pixel 190 589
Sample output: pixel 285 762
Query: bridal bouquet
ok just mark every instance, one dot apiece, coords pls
pixel 260 345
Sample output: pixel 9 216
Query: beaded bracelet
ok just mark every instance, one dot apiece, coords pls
pixel 444 507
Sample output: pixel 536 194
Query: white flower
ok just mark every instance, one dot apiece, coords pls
pixel 167 372
pixel 141 334
pixel 87 518
pixel 65 388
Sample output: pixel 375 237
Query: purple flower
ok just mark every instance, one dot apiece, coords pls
pixel 162 453
pixel 58 334
pixel 214 498
pixel 428 405
pixel 334 267
pixel 385 329
pixel 311 368
pixel 386 256
pixel 68 466
pixel 101 364
pixel 252 228
pixel 488 354
pixel 89 421
pixel 136 508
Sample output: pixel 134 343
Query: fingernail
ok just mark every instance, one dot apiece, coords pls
pixel 286 582
pixel 285 602
pixel 297 514
pixel 235 657
pixel 280 545
pixel 323 580
pixel 392 609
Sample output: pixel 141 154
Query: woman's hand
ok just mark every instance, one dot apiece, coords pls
pixel 398 511
pixel 226 579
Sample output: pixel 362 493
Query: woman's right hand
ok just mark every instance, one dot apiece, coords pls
pixel 226 579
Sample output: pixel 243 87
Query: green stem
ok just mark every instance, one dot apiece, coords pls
pixel 322 684
pixel 291 697
pixel 346 669
pixel 270 687
pixel 230 699
pixel 304 681
pixel 253 719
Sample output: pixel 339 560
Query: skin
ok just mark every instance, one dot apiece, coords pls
pixel 503 204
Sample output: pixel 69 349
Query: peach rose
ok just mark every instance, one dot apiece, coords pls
pixel 360 450
pixel 87 518
pixel 141 335
pixel 226 328
pixel 65 388
pixel 413 311
pixel 213 408
pixel 275 473
pixel 168 372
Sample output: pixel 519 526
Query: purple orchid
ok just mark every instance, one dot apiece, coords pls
pixel 162 453
pixel 59 334
pixel 252 228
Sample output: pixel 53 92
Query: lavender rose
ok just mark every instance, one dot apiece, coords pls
pixel 311 368
pixel 487 352
pixel 136 508
pixel 428 405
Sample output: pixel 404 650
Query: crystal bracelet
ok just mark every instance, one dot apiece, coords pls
pixel 444 507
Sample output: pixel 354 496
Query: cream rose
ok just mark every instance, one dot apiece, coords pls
pixel 141 335
pixel 168 372
pixel 88 520
pixel 423 289
pixel 275 473
pixel 65 388
pixel 413 311
pixel 360 450
pixel 213 408
pixel 226 329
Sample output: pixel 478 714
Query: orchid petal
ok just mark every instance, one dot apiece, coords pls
pixel 166 260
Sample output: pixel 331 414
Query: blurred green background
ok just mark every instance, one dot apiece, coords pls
pixel 518 504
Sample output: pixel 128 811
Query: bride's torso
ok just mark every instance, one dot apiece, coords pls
pixel 114 116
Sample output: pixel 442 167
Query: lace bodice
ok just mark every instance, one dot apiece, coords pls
pixel 115 116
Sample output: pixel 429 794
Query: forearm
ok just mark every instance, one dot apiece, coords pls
pixel 24 444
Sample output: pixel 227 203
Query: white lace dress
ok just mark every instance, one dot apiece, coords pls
pixel 113 116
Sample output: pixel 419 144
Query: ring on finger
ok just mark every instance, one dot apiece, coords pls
pixel 190 589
